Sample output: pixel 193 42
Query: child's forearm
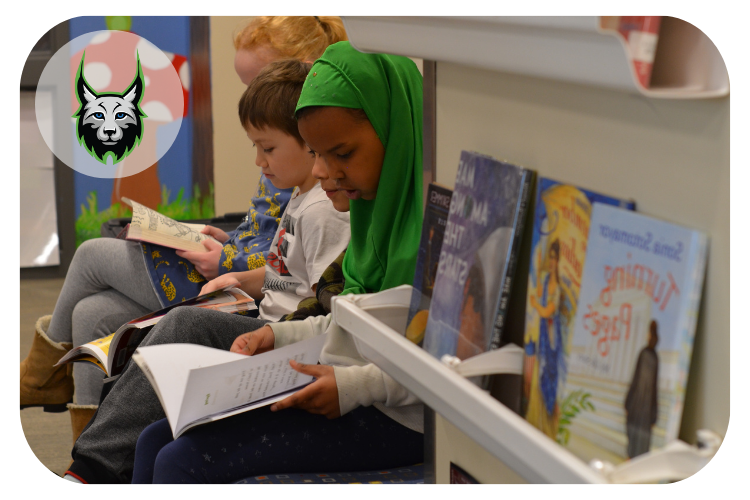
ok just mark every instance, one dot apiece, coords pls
pixel 251 282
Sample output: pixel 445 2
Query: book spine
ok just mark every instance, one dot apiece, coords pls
pixel 502 308
pixel 689 315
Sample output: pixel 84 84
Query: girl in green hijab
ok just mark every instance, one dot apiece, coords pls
pixel 361 115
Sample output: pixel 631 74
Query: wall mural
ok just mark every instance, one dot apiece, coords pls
pixel 167 185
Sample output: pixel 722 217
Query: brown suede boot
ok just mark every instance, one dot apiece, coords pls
pixel 41 383
pixel 80 415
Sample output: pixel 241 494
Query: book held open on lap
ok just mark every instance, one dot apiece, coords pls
pixel 197 384
pixel 152 227
pixel 112 352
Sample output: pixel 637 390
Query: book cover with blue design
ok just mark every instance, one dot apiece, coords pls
pixel 433 229
pixel 633 336
pixel 562 216
pixel 486 213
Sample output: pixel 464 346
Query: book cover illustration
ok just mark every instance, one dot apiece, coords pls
pixel 562 215
pixel 633 335
pixel 433 229
pixel 474 257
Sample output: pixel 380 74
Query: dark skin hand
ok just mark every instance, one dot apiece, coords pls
pixel 320 397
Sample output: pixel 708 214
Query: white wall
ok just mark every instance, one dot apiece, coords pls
pixel 235 173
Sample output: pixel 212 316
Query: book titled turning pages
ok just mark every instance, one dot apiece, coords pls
pixel 197 384
pixel 152 227
pixel 633 336
pixel 610 383
pixel 112 352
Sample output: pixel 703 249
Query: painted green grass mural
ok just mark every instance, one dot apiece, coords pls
pixel 89 223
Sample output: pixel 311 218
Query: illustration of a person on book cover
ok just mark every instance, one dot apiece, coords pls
pixel 641 401
pixel 543 410
pixel 471 337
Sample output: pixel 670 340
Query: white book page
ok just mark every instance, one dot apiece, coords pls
pixel 169 366
pixel 229 413
pixel 152 220
pixel 215 389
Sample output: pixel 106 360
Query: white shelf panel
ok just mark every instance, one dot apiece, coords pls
pixel 376 320
pixel 501 432
pixel 572 49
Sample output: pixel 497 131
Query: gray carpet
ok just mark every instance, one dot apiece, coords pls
pixel 48 434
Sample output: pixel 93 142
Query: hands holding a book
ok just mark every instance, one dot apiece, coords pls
pixel 321 397
pixel 220 282
pixel 257 342
pixel 207 263
pixel 216 233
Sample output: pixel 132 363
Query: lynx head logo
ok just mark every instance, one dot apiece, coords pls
pixel 109 124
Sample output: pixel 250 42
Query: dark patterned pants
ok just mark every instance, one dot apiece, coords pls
pixel 264 442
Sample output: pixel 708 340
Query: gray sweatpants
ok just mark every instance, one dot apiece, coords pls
pixel 132 405
pixel 107 285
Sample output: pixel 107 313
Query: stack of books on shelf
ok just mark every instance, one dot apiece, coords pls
pixel 612 298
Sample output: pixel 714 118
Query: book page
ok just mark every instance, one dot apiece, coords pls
pixel 215 389
pixel 168 365
pixel 151 220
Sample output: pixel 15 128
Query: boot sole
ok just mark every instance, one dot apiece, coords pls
pixel 53 408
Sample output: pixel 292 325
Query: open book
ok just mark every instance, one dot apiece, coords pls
pixel 197 384
pixel 112 352
pixel 152 227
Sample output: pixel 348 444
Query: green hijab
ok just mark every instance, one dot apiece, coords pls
pixel 385 231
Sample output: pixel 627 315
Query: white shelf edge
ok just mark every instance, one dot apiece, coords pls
pixel 570 49
pixel 501 432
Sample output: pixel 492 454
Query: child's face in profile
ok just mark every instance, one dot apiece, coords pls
pixel 348 148
pixel 338 197
pixel 283 160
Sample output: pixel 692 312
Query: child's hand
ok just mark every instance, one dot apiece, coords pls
pixel 321 397
pixel 257 342
pixel 207 263
pixel 217 233
pixel 220 282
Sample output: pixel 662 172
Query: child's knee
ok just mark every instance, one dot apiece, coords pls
pixel 176 327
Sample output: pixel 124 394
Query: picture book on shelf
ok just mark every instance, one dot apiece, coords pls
pixel 433 229
pixel 473 279
pixel 641 36
pixel 633 336
pixel 152 227
pixel 562 216
pixel 112 352
pixel 198 384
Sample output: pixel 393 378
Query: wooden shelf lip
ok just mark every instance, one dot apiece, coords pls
pixel 572 49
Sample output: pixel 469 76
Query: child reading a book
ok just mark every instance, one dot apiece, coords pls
pixel 361 114
pixel 107 284
pixel 313 231
pixel 379 122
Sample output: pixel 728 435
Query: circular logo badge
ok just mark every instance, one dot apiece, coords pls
pixel 110 103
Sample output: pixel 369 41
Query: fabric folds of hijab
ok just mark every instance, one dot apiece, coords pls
pixel 385 231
